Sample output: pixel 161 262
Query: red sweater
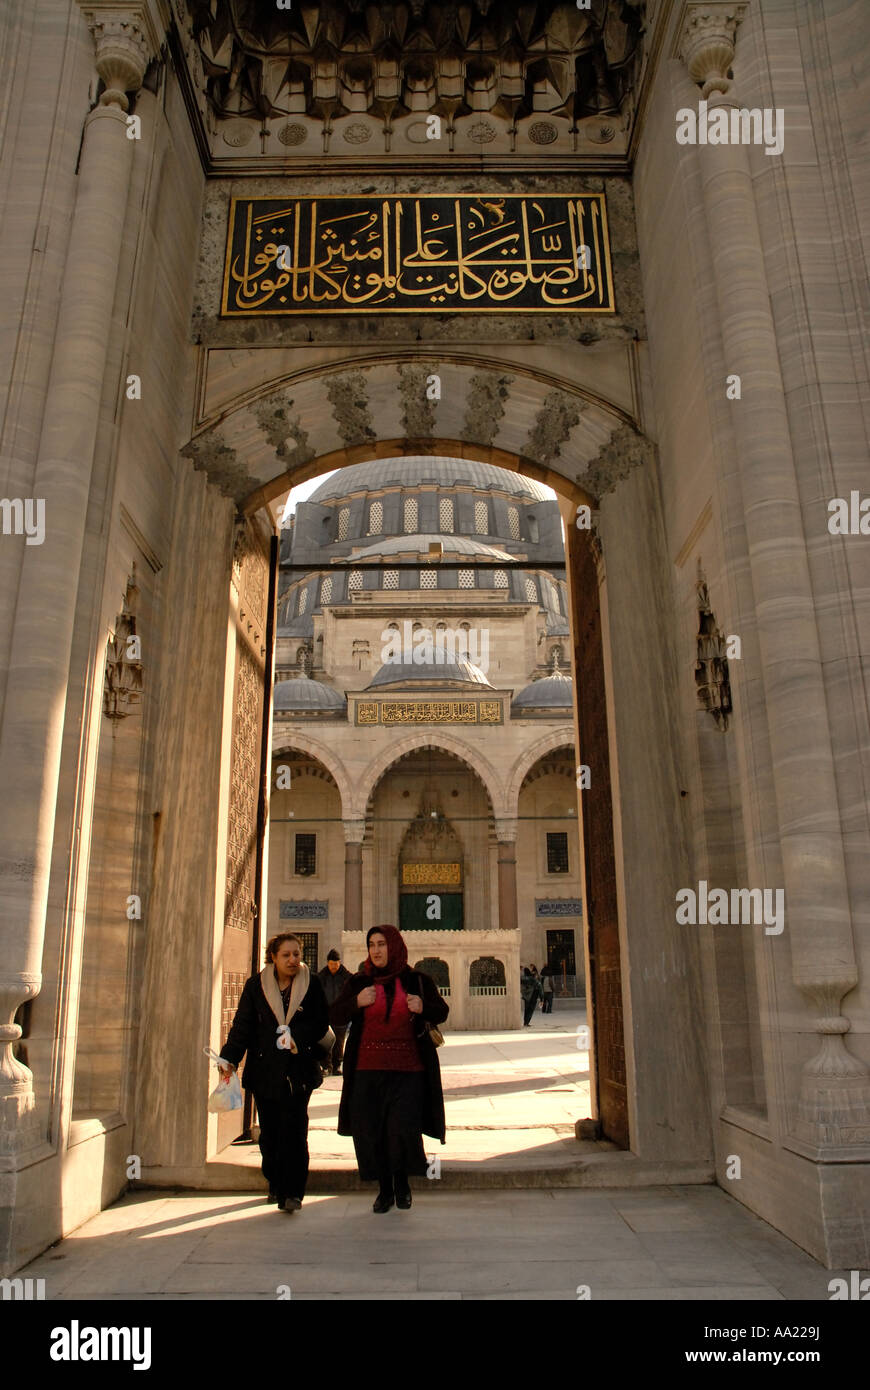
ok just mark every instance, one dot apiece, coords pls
pixel 388 1045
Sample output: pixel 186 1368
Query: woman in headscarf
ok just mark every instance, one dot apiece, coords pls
pixel 282 1022
pixel 391 1094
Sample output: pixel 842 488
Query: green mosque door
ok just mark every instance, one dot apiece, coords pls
pixel 416 911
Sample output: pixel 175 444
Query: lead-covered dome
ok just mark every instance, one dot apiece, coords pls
pixel 418 469
pixel 307 696
pixel 554 692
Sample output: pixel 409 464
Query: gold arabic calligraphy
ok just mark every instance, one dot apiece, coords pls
pixel 432 254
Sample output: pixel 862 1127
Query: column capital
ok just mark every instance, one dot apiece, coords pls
pixel 706 41
pixel 126 38
pixel 506 831
pixel 354 831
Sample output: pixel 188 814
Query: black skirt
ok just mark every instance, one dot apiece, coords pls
pixel 387 1119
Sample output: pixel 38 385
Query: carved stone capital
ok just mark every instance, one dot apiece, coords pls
pixel 706 43
pixel 126 40
pixel 354 831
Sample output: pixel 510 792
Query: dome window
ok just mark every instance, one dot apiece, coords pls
pixel 445 514
pixel 531 591
pixel 355 581
pixel 501 579
pixel 343 524
pixel 428 579
pixel 376 519
pixel 303 602
pixel 391 579
pixel 326 590
pixel 514 523
pixel 481 518
pixel 466 579
pixel 410 515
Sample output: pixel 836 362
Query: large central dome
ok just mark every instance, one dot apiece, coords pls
pixel 419 469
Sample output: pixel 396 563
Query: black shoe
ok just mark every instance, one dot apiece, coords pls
pixel 282 1201
pixel 272 1197
pixel 292 1204
pixel 403 1198
pixel 383 1202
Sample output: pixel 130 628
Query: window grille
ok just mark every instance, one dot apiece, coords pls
pixel 481 518
pixel 303 601
pixel 531 591
pixel 391 579
pixel 445 514
pixel 466 579
pixel 557 852
pixel 428 579
pixel 501 579
pixel 514 523
pixel 326 590
pixel 410 515
pixel 376 518
pixel 343 523
pixel 306 855
pixel 355 581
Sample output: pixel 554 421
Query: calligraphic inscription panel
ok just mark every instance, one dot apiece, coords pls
pixel 431 873
pixel 430 254
pixel 428 712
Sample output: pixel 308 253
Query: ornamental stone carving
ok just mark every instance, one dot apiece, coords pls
pixel 706 44
pixel 125 39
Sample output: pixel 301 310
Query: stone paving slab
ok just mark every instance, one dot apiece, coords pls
pixel 529 1245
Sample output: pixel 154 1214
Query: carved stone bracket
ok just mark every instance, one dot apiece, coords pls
pixel 126 38
pixel 706 43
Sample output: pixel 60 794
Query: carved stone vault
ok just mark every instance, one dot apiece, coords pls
pixel 354 81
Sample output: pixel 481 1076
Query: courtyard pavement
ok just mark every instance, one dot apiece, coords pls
pixel 511 1098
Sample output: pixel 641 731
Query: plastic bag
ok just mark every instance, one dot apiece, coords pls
pixel 227 1094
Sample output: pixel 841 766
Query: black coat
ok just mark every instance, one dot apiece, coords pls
pixel 255 1030
pixel 435 1010
pixel 334 985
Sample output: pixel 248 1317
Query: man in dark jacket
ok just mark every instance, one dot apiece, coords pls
pixel 334 978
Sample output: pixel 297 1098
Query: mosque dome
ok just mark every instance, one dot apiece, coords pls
pixel 428 674
pixel 302 694
pixel 555 692
pixel 419 545
pixel 417 470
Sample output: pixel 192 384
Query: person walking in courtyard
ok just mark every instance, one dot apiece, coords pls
pixel 391 1093
pixel 334 979
pixel 282 1024
pixel 529 992
pixel 548 989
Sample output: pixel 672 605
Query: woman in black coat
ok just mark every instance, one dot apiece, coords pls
pixel 282 1023
pixel 391 1093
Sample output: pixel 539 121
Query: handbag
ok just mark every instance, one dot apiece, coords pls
pixel 435 1034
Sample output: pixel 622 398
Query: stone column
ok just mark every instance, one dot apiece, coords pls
pixel 506 832
pixel 353 838
pixel 833 1114
pixel 30 740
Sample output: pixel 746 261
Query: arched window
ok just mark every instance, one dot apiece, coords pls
pixel 355 581
pixel 343 524
pixel 481 518
pixel 376 519
pixel 326 590
pixel 410 516
pixel 531 591
pixel 445 514
pixel 303 602
pixel 514 523
pixel 533 528
pixel 501 579
pixel 438 969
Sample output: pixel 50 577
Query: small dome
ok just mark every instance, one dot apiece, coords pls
pixel 553 692
pixel 303 693
pixel 429 673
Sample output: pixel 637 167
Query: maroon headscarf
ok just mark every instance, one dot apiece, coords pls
pixel 397 955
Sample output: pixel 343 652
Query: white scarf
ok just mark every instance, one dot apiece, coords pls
pixel 298 991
